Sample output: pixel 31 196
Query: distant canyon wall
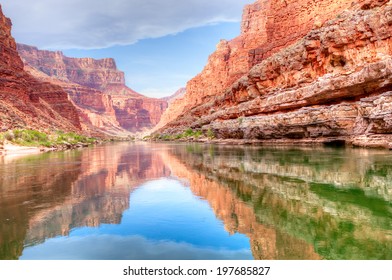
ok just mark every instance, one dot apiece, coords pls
pixel 98 90
pixel 300 70
pixel 26 102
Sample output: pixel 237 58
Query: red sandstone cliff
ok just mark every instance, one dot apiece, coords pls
pixel 97 88
pixel 26 102
pixel 299 70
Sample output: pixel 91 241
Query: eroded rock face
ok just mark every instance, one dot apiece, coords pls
pixel 267 26
pixel 97 88
pixel 26 102
pixel 88 72
pixel 334 82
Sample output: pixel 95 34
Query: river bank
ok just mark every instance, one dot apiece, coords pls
pixel 14 149
pixel 8 148
pixel 25 142
pixel 371 141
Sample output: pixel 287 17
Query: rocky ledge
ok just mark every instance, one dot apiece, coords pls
pixel 334 85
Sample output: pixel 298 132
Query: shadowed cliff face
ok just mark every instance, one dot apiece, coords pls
pixel 98 90
pixel 26 102
pixel 322 73
pixel 290 203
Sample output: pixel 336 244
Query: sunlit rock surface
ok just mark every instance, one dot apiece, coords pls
pixel 26 102
pixel 98 90
pixel 321 70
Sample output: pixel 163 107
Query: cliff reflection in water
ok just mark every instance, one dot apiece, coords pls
pixel 308 203
pixel 304 203
pixel 48 195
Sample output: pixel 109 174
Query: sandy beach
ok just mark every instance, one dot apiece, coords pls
pixel 12 149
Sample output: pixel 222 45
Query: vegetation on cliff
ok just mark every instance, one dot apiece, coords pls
pixel 187 135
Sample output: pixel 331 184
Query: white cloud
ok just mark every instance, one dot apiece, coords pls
pixel 91 24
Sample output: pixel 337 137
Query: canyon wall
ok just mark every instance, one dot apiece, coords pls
pixel 266 27
pixel 98 90
pixel 26 102
pixel 313 72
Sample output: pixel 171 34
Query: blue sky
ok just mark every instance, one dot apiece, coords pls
pixel 160 66
pixel 159 45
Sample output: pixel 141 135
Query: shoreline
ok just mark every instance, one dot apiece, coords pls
pixel 27 141
pixel 11 149
pixel 14 149
pixel 375 141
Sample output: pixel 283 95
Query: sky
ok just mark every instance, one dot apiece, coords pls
pixel 160 45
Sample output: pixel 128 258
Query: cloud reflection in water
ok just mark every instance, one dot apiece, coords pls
pixel 126 248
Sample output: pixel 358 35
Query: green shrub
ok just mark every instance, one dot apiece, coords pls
pixel 210 133
pixel 9 135
pixel 72 138
pixel 198 134
pixel 26 137
pixel 191 133
pixel 188 132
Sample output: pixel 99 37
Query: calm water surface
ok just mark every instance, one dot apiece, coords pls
pixel 194 201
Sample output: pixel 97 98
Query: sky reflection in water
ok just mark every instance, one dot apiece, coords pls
pixel 164 221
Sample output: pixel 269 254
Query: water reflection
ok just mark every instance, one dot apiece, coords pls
pixel 192 201
pixel 50 194
pixel 326 203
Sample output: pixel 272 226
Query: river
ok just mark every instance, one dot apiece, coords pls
pixel 196 201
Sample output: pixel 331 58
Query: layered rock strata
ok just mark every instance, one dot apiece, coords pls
pixel 333 84
pixel 26 102
pixel 267 26
pixel 97 88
